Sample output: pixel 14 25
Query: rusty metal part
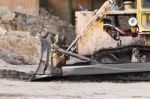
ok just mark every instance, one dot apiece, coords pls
pixel 128 5
pixel 74 55
pixel 58 59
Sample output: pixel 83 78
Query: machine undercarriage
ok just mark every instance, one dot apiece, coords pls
pixel 124 55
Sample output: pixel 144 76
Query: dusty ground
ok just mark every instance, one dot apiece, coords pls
pixel 85 87
pixel 10 89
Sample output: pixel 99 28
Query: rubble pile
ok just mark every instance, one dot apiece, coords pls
pixel 18 45
pixel 13 74
pixel 45 22
pixel 17 48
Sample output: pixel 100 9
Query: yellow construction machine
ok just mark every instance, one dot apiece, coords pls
pixel 112 39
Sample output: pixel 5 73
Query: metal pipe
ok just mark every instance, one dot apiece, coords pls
pixel 72 54
pixel 72 44
pixel 119 30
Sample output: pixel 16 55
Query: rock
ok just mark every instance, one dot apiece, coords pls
pixel 6 14
pixel 31 20
pixel 2 31
pixel 4 11
pixel 19 48
pixel 45 22
pixel 8 17
pixel 3 63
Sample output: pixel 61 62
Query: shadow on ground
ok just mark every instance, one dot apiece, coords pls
pixel 117 78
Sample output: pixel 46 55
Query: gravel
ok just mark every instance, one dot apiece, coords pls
pixel 73 90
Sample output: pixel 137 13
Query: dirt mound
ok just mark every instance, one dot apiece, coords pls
pixel 13 74
pixel 45 22
pixel 17 46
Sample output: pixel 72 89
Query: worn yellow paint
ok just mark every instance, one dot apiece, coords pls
pixel 143 16
pixel 101 24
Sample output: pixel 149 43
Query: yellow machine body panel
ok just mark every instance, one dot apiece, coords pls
pixel 101 24
pixel 143 16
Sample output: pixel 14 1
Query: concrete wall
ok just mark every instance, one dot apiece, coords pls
pixel 97 3
pixel 61 8
pixel 86 4
pixel 30 7
pixel 66 8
